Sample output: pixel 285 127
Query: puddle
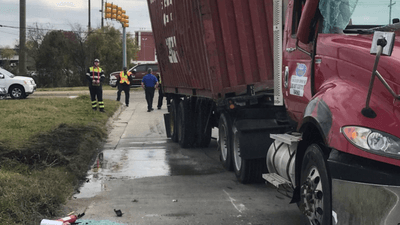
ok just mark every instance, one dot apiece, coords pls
pixel 129 163
pixel 150 158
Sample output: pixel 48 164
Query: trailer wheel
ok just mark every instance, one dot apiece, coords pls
pixel 225 141
pixel 315 189
pixel 203 133
pixel 246 170
pixel 185 127
pixel 173 121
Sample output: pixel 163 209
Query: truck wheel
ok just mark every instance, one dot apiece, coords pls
pixel 185 128
pixel 203 133
pixel 315 190
pixel 17 92
pixel 225 141
pixel 246 170
pixel 173 121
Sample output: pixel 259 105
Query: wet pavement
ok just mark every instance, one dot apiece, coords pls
pixel 153 181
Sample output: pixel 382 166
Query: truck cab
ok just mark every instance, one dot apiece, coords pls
pixel 342 97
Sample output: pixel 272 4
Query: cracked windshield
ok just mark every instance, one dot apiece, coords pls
pixel 338 14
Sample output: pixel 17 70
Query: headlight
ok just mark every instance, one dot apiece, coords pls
pixel 373 141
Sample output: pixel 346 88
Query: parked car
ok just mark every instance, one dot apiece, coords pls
pixel 18 87
pixel 141 71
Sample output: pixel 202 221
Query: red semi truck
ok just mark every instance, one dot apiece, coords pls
pixel 304 94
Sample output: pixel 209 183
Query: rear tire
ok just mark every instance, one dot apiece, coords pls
pixel 246 170
pixel 17 92
pixel 203 133
pixel 173 121
pixel 185 125
pixel 225 141
pixel 315 189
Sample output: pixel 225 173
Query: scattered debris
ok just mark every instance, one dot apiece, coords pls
pixel 118 212
pixel 175 200
pixel 134 200
pixel 69 219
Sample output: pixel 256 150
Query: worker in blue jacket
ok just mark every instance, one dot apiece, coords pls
pixel 149 84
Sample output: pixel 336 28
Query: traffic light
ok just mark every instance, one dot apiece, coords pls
pixel 126 21
pixel 108 10
pixel 119 14
pixel 114 12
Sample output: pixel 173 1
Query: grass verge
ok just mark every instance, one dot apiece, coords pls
pixel 46 147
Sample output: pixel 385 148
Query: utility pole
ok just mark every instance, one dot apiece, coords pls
pixel 390 11
pixel 89 18
pixel 22 37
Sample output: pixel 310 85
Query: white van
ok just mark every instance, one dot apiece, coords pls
pixel 16 86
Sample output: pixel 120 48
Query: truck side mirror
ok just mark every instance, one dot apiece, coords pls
pixel 304 29
pixel 388 37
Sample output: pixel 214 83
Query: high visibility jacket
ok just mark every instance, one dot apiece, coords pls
pixel 124 78
pixel 95 73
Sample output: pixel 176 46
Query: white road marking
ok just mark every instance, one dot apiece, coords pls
pixel 240 207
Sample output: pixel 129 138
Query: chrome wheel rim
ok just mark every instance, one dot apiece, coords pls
pixel 223 142
pixel 16 92
pixel 236 150
pixel 312 197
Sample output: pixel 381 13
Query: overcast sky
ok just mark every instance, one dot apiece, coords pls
pixel 61 14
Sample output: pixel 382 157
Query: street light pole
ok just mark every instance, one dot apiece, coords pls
pixel 123 47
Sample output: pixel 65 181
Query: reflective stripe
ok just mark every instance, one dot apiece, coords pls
pixel 95 69
pixel 101 105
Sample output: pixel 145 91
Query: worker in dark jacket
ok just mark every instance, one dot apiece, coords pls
pixel 95 76
pixel 149 84
pixel 124 83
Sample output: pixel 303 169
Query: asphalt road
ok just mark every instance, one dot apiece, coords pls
pixel 153 181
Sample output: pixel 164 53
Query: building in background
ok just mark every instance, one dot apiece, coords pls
pixel 147 49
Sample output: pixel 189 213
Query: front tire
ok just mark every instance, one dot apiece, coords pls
pixel 315 189
pixel 17 92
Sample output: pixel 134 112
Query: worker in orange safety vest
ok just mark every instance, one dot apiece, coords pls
pixel 124 81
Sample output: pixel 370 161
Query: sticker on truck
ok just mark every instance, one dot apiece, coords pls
pixel 298 81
